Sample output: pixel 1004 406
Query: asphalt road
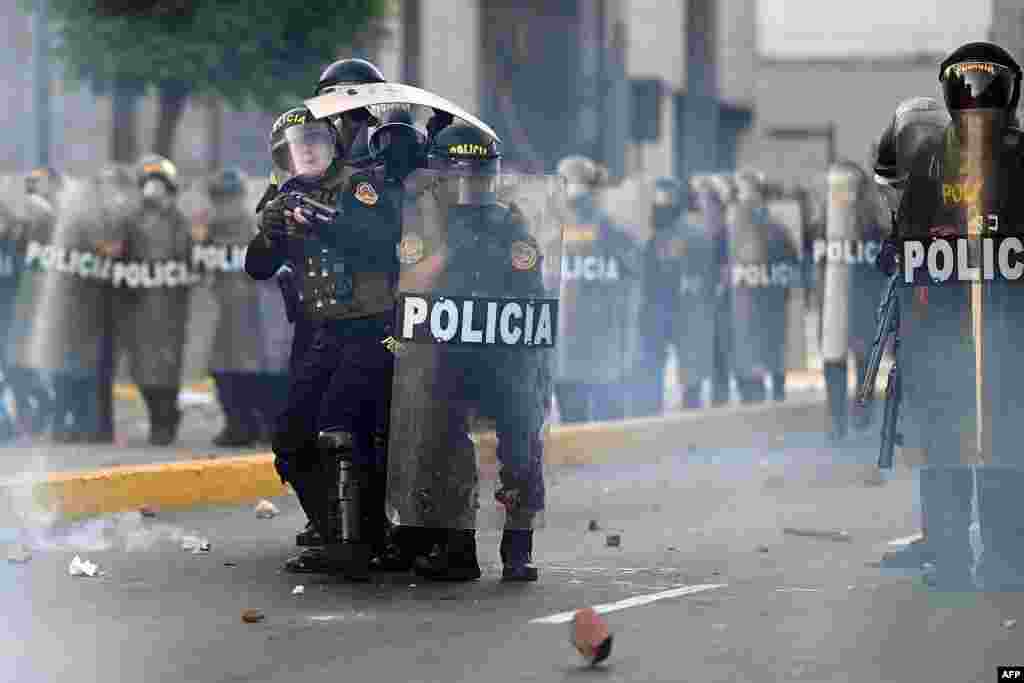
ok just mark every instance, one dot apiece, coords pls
pixel 788 608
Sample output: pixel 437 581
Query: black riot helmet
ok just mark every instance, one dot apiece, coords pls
pixel 980 76
pixel 348 72
pixel 466 150
pixel 301 146
pixel 470 160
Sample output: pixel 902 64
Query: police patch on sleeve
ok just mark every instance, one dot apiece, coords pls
pixel 410 249
pixel 366 193
pixel 524 255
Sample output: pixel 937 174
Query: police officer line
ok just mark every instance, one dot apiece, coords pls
pixel 134 274
pixel 242 479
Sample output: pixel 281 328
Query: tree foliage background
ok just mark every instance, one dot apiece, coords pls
pixel 250 52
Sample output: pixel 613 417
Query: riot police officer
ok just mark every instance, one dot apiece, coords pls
pixel 342 384
pixel 852 284
pixel 763 267
pixel 237 355
pixel 662 298
pixel 157 301
pixel 600 303
pixel 32 392
pixel 959 329
pixel 463 245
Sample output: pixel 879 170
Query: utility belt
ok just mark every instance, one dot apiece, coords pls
pixel 376 326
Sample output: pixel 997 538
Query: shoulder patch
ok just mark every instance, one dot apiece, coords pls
pixel 366 193
pixel 524 255
pixel 410 249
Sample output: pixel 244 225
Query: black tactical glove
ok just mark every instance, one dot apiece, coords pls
pixel 272 221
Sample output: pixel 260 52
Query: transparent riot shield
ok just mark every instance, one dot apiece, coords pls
pixel 764 269
pixel 852 284
pixel 601 296
pixel 963 311
pixel 74 267
pixel 477 323
pixel 789 212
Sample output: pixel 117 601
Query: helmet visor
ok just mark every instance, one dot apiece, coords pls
pixel 978 85
pixel 306 150
pixel 465 166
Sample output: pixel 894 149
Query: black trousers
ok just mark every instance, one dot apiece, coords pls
pixel 343 381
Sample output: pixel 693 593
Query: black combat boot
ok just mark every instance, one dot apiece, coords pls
pixel 309 480
pixel 454 560
pixel 517 556
pixel 164 414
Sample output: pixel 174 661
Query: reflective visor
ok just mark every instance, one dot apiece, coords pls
pixel 465 166
pixel 978 85
pixel 305 150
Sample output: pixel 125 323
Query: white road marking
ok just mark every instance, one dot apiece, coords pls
pixel 906 540
pixel 797 590
pixel 635 601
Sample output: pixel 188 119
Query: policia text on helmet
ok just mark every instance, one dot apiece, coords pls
pixel 471 162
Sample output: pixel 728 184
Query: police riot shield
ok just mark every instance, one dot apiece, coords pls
pixel 764 267
pixel 698 291
pixel 377 95
pixel 601 294
pixel 852 284
pixel 962 260
pixel 477 325
pixel 789 212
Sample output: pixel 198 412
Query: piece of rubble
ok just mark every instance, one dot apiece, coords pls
pixel 195 544
pixel 18 554
pixel 1009 623
pixel 589 635
pixel 266 510
pixel 253 616
pixel 80 567
pixel 592 525
pixel 613 540
pixel 147 511
pixel 298 590
pixel 763 548
pixel 826 534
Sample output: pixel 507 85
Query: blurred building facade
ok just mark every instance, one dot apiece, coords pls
pixel 857 96
pixel 655 86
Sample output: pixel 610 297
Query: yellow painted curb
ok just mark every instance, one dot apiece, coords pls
pixel 242 479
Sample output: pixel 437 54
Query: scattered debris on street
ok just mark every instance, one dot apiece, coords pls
pixel 613 540
pixel 590 636
pixel 195 544
pixel 147 511
pixel 253 616
pixel 826 534
pixel 593 525
pixel 1009 623
pixel 18 554
pixel 298 590
pixel 762 549
pixel 80 567
pixel 266 510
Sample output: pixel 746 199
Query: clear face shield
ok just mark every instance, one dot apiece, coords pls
pixel 469 181
pixel 306 152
